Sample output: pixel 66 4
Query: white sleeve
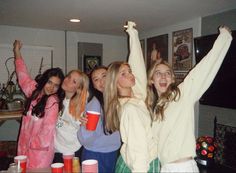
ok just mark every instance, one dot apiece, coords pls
pixel 137 63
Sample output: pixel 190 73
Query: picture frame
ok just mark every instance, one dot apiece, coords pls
pixel 182 49
pixel 142 43
pixel 143 47
pixel 90 62
pixel 179 76
pixel 157 49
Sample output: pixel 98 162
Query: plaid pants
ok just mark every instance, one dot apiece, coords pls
pixel 121 166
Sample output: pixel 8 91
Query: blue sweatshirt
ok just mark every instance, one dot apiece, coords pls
pixel 97 141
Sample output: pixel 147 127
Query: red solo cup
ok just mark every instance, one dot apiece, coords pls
pixel 57 167
pixel 90 166
pixel 93 118
pixel 21 161
pixel 67 158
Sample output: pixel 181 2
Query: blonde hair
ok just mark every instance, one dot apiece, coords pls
pixel 111 97
pixel 78 101
pixel 157 104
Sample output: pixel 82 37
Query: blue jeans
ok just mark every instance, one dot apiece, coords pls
pixel 106 161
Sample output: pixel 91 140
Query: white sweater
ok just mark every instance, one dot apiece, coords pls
pixel 66 140
pixel 175 134
pixel 139 147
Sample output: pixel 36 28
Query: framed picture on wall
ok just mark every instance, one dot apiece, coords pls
pixel 91 61
pixel 157 49
pixel 142 43
pixel 179 76
pixel 182 49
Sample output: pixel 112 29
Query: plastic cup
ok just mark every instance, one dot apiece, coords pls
pixel 67 158
pixel 57 167
pixel 76 165
pixel 21 162
pixel 93 118
pixel 90 166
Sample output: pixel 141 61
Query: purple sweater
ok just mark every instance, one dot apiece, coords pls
pixel 96 140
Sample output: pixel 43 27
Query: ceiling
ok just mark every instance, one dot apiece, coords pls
pixel 106 16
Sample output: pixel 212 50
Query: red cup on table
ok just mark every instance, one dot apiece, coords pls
pixel 57 167
pixel 68 160
pixel 90 166
pixel 93 118
pixel 21 162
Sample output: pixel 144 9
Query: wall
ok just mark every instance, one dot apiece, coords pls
pixel 36 37
pixel 207 113
pixel 114 48
pixel 210 23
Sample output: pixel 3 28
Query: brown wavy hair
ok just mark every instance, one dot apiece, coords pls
pixel 156 104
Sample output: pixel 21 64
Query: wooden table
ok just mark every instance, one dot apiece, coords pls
pixel 38 170
pixel 10 115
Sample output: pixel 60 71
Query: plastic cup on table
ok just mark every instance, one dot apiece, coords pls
pixel 75 165
pixel 21 162
pixel 90 166
pixel 57 167
pixel 67 158
pixel 93 118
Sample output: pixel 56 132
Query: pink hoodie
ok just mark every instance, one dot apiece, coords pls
pixel 36 139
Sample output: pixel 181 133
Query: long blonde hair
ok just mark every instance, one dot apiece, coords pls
pixel 157 104
pixel 78 101
pixel 111 97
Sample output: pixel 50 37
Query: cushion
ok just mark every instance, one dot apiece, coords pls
pixel 225 137
pixel 7 153
pixel 8 148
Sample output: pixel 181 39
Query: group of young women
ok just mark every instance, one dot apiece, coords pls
pixel 149 114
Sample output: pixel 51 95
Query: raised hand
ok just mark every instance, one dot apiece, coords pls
pixel 226 28
pixel 16 48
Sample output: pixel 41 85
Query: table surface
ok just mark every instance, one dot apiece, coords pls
pixel 38 170
pixel 5 115
pixel 48 170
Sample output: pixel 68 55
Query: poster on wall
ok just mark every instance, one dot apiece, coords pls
pixel 142 43
pixel 90 62
pixel 179 77
pixel 182 49
pixel 157 49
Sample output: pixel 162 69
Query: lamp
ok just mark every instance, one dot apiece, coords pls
pixel 205 148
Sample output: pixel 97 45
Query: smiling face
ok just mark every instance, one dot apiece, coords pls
pixel 52 85
pixel 98 78
pixel 162 77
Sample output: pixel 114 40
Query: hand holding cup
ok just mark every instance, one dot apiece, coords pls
pixel 93 118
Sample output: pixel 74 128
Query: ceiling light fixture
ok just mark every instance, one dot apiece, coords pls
pixel 74 20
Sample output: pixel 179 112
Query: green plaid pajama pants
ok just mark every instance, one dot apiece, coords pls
pixel 121 166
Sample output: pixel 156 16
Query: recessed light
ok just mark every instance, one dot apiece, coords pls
pixel 74 20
